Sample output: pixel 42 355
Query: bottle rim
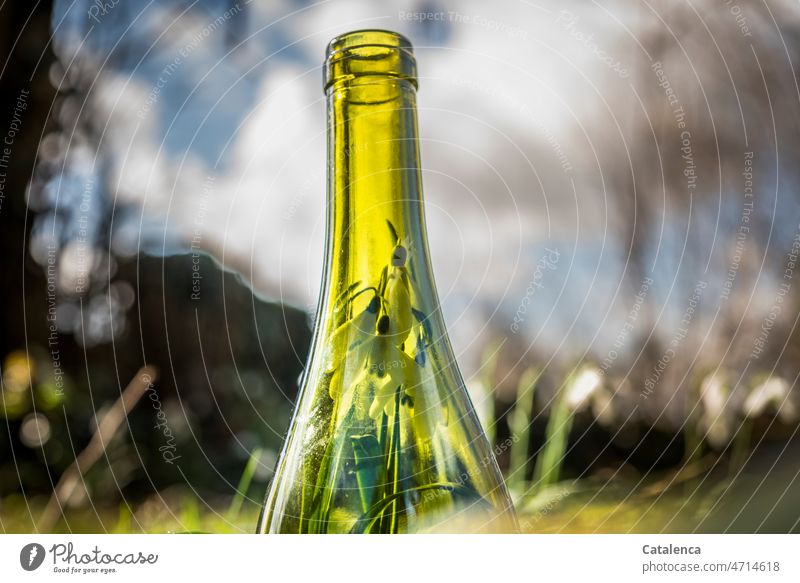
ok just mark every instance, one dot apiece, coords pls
pixel 375 52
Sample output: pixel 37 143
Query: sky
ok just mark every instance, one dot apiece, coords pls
pixel 204 128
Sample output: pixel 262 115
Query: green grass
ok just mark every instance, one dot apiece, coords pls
pixel 167 512
pixel 663 502
pixel 735 492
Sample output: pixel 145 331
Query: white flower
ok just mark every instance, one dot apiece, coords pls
pixel 581 391
pixel 603 407
pixel 714 395
pixel 398 300
pixel 350 334
pixel 772 393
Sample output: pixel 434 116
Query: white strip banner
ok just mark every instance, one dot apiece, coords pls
pixel 388 559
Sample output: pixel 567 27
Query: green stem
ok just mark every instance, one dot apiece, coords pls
pixel 244 484
pixel 551 457
pixel 741 445
pixel 367 520
pixel 520 422
pixel 330 465
pixel 395 460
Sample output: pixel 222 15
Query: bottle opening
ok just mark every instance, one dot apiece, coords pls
pixel 369 52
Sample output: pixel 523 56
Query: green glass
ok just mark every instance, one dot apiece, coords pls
pixel 384 438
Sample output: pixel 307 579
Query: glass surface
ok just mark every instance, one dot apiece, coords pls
pixel 384 438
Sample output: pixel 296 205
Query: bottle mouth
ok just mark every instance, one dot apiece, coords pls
pixel 369 52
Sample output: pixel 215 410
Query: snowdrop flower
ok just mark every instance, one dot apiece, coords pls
pixel 367 355
pixel 588 390
pixel 603 406
pixel 585 386
pixel 772 394
pixel 713 396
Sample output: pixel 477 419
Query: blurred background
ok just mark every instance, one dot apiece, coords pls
pixel 612 203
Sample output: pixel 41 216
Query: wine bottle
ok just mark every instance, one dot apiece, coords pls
pixel 384 438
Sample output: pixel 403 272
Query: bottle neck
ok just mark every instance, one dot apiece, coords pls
pixel 374 185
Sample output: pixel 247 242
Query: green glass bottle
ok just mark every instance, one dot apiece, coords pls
pixel 384 438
